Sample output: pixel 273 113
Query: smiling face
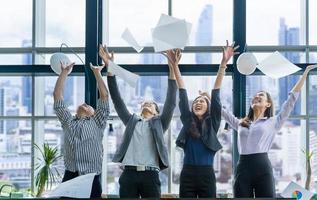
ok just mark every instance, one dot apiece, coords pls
pixel 149 108
pixel 200 106
pixel 261 101
pixel 85 110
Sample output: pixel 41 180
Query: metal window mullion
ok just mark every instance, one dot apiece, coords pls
pixel 170 8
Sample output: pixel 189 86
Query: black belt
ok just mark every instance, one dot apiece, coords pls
pixel 141 168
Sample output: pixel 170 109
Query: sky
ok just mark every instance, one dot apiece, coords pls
pixel 65 21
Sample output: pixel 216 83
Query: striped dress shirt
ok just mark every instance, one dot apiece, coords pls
pixel 83 150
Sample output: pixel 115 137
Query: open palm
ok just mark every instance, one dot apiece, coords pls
pixel 228 52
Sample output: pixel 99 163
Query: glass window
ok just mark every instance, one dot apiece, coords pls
pixel 211 20
pixel 286 154
pixel 313 149
pixel 272 23
pixel 187 58
pixel 139 16
pixel 277 88
pixel 312 95
pixel 15 153
pixel 15 96
pixel 313 57
pixel 45 58
pixel 65 23
pixel 16 23
pixel 15 59
pixel 312 22
pixel 74 94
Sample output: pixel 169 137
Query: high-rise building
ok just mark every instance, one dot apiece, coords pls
pixel 204 34
pixel 27 81
pixel 288 36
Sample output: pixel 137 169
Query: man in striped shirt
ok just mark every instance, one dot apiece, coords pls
pixel 83 150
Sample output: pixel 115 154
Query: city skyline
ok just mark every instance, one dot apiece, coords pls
pixel 16 100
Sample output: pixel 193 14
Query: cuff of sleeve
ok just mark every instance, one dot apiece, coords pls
pixel 102 103
pixel 59 104
pixel 215 91
pixel 294 94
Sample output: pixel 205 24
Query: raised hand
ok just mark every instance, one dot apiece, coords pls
pixel 310 67
pixel 67 68
pixel 206 94
pixel 105 55
pixel 173 56
pixel 228 52
pixel 96 69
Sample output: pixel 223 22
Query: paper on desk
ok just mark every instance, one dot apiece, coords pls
pixel 130 39
pixel 127 76
pixel 277 66
pixel 170 33
pixel 293 190
pixel 79 187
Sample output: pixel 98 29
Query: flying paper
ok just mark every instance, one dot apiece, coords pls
pixel 127 76
pixel 170 33
pixel 130 39
pixel 246 63
pixel 277 66
pixel 79 187
pixel 56 60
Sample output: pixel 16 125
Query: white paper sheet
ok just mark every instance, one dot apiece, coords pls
pixel 277 66
pixel 127 76
pixel 170 33
pixel 130 39
pixel 293 190
pixel 79 187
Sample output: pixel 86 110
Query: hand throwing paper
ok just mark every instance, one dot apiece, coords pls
pixel 127 76
pixel 79 187
pixel 170 33
pixel 129 38
pixel 277 66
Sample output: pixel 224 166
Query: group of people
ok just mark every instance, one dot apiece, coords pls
pixel 143 152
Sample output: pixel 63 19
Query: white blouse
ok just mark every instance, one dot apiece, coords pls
pixel 258 138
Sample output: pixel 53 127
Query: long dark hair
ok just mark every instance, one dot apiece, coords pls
pixel 269 112
pixel 196 126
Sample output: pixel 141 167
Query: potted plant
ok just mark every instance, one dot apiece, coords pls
pixel 47 172
pixel 308 156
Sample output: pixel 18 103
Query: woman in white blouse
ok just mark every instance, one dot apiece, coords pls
pixel 256 132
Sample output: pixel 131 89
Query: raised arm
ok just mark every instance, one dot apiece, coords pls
pixel 298 86
pixel 173 57
pixel 227 53
pixel 61 110
pixel 118 103
pixel 102 111
pixel 230 118
pixel 289 104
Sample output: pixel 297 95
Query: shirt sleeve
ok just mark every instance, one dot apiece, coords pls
pixel 230 118
pixel 102 113
pixel 62 112
pixel 286 109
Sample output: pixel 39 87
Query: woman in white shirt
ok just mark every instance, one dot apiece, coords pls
pixel 256 132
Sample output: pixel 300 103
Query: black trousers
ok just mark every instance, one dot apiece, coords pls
pixel 136 184
pixel 96 189
pixel 197 181
pixel 254 177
